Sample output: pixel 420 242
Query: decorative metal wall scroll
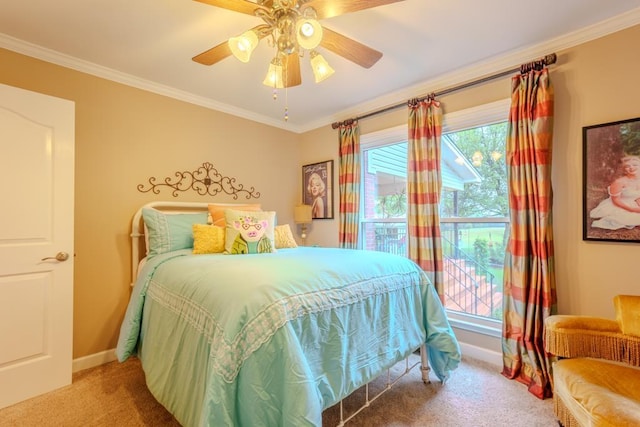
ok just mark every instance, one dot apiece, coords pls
pixel 205 181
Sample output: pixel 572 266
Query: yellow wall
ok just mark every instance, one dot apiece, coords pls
pixel 594 83
pixel 125 135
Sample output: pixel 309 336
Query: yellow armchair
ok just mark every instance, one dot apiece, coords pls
pixel 596 378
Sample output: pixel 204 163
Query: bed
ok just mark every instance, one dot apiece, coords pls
pixel 270 339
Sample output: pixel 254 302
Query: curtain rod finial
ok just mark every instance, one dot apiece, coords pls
pixel 550 59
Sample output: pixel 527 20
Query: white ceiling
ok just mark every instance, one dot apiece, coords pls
pixel 426 44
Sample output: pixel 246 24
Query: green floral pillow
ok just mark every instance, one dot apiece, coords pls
pixel 249 232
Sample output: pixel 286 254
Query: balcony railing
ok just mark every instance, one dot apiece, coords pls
pixel 473 251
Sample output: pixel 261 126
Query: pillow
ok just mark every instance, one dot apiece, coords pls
pixel 208 239
pixel 249 232
pixel 170 232
pixel 216 210
pixel 283 237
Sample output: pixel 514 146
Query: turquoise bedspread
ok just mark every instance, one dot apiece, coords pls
pixel 273 339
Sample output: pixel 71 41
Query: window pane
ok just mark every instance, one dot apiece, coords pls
pixel 385 237
pixel 473 255
pixel 474 212
pixel 385 181
pixel 484 193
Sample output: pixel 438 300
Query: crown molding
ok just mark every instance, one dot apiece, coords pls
pixel 67 61
pixel 487 67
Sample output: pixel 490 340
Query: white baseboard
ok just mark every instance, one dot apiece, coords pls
pixel 482 354
pixel 94 360
pixel 468 350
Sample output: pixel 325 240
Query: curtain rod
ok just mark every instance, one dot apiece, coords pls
pixel 524 68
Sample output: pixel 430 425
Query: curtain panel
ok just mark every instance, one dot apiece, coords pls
pixel 424 187
pixel 529 274
pixel 349 185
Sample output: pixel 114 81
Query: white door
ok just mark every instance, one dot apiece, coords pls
pixel 36 226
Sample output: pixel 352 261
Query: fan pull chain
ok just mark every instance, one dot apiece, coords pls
pixel 286 93
pixel 286 105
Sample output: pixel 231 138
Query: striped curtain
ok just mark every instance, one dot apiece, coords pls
pixel 529 273
pixel 349 184
pixel 424 182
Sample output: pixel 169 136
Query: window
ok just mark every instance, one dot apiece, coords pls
pixel 473 209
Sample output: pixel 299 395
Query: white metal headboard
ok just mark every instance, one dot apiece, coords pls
pixel 138 246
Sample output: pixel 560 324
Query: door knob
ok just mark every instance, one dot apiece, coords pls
pixel 60 256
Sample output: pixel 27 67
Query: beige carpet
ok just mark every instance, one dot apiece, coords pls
pixel 476 395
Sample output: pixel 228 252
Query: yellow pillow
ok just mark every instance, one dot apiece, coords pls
pixel 216 210
pixel 284 237
pixel 208 239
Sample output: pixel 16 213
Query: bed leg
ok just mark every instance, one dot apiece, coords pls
pixel 424 364
pixel 341 415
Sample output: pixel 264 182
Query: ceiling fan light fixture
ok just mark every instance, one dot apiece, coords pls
pixel 308 33
pixel 321 68
pixel 243 45
pixel 293 28
pixel 275 75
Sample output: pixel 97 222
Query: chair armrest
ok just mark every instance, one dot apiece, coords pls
pixel 584 336
pixel 583 323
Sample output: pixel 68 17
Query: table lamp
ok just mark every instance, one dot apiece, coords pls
pixel 302 216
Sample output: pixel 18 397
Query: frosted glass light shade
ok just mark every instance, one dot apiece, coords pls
pixel 243 45
pixel 321 68
pixel 302 214
pixel 274 77
pixel 308 33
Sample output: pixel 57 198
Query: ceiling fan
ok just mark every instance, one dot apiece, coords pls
pixel 293 28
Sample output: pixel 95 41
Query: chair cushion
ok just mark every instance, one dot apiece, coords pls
pixel 599 392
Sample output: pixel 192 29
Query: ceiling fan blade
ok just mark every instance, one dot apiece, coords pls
pixel 292 70
pixel 242 6
pixel 329 8
pixel 349 49
pixel 213 55
pixel 221 51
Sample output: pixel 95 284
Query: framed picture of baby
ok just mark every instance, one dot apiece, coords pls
pixel 611 181
pixel 317 189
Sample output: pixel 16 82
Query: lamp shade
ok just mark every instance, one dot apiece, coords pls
pixel 274 77
pixel 243 45
pixel 308 33
pixel 302 214
pixel 321 68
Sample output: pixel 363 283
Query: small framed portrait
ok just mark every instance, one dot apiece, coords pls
pixel 611 181
pixel 317 189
